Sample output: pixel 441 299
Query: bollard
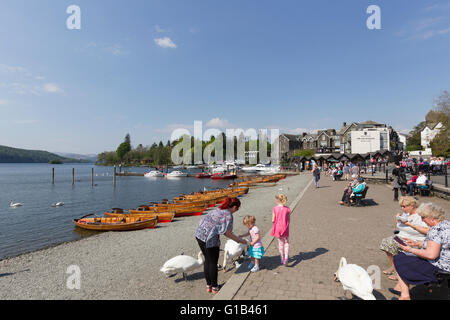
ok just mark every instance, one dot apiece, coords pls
pixel 387 178
pixel 446 178
pixel 53 175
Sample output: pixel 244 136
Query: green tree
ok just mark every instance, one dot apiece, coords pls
pixel 304 153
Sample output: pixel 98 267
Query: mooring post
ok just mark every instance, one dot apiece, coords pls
pixel 53 175
pixel 446 178
pixel 92 176
pixel 114 179
pixel 73 176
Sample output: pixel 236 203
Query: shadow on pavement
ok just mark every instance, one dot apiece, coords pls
pixel 271 263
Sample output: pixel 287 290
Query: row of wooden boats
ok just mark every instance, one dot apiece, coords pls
pixel 253 180
pixel 148 216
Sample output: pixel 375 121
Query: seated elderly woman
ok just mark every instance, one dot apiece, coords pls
pixel 355 187
pixel 433 254
pixel 409 225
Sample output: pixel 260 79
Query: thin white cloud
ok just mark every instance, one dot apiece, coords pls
pixel 219 123
pixel 117 50
pixel 194 30
pixel 160 30
pixel 52 88
pixel 165 42
pixel 39 78
pixel 3 102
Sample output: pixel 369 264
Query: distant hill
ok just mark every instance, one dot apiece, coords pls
pixel 86 157
pixel 14 155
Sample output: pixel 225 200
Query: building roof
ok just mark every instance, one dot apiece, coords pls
pixel 292 136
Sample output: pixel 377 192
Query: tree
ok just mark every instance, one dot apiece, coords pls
pixel 441 142
pixel 122 150
pixel 305 153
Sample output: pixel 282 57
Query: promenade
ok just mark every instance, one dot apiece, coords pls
pixel 321 233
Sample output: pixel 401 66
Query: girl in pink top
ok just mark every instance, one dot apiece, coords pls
pixel 280 229
pixel 256 250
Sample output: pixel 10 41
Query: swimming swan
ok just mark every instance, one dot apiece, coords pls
pixel 58 204
pixel 15 205
pixel 355 279
pixel 182 264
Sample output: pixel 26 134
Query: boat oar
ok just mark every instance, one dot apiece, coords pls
pixel 86 216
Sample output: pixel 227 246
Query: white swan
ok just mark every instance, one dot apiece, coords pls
pixel 232 250
pixel 182 264
pixel 15 205
pixel 58 204
pixel 355 279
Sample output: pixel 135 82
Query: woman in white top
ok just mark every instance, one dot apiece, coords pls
pixel 409 225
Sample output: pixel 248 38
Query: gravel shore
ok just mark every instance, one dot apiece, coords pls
pixel 126 265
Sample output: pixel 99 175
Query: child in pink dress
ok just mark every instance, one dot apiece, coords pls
pixel 280 229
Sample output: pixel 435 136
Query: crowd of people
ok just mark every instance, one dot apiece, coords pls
pixel 419 248
pixel 433 165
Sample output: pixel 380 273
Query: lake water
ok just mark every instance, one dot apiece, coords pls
pixel 37 225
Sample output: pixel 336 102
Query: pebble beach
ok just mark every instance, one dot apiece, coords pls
pixel 125 265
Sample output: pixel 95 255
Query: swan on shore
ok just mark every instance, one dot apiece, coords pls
pixel 182 264
pixel 355 279
pixel 15 205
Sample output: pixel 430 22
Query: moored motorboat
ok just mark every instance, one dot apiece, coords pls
pixel 203 175
pixel 154 174
pixel 176 174
pixel 223 176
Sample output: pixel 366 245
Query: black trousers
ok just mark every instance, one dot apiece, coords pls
pixel 346 197
pixel 210 264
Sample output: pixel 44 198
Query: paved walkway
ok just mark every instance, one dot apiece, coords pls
pixel 322 232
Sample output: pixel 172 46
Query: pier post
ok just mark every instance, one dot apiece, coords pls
pixel 114 179
pixel 92 177
pixel 446 178
pixel 53 175
pixel 73 176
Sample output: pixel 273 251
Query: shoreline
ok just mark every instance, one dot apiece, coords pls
pixel 126 265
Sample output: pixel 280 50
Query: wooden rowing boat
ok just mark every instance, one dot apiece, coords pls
pixel 116 224
pixel 179 212
pixel 163 217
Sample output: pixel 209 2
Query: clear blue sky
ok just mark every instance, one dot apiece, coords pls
pixel 285 64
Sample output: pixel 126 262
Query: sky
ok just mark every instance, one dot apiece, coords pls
pixel 147 67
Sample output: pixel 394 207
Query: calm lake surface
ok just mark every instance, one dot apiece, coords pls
pixel 37 225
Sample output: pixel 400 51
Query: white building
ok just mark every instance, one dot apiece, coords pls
pixel 402 140
pixel 428 134
pixel 370 140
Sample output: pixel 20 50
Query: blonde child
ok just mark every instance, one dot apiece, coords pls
pixel 280 229
pixel 256 250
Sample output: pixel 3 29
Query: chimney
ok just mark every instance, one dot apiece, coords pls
pixel 344 124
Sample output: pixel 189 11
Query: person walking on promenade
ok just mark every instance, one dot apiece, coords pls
pixel 256 250
pixel 346 171
pixel 316 175
pixel 399 176
pixel 355 170
pixel 215 223
pixel 280 228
